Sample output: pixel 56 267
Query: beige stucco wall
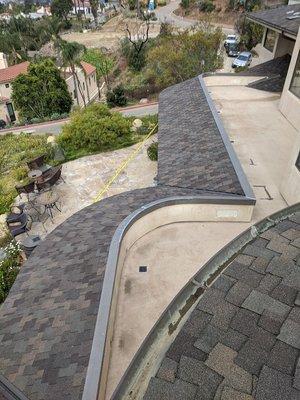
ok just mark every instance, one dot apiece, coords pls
pixel 283 46
pixel 5 91
pixel 88 86
pixel 290 107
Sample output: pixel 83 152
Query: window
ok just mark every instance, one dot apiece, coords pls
pixel 270 40
pixel 83 85
pixel 89 81
pixel 75 94
pixel 295 82
pixel 298 162
pixel 7 85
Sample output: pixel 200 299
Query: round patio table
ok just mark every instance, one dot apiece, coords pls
pixel 48 200
pixel 35 174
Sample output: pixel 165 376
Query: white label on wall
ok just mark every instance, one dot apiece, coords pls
pixel 227 213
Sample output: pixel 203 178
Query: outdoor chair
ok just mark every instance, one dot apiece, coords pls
pixel 29 188
pixel 16 213
pixel 37 163
pixel 19 227
pixel 50 178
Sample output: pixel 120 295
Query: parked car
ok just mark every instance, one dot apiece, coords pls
pixel 230 39
pixel 243 60
pixel 2 124
pixel 232 50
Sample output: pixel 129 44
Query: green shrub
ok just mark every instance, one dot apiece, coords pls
pixel 206 6
pixel 152 151
pixel 9 268
pixel 55 116
pixel 20 173
pixel 116 97
pixel 185 4
pixel 240 69
pixel 15 150
pixel 94 129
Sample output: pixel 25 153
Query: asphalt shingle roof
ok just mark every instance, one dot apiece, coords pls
pixel 47 321
pixel 278 18
pixel 191 150
pixel 242 341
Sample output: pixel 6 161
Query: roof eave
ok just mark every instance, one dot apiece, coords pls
pixel 274 27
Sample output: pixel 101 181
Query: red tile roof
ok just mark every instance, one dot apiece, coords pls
pixel 10 73
pixel 88 68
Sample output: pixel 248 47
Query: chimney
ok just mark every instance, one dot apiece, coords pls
pixel 3 61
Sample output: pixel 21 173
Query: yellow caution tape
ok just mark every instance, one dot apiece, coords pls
pixel 123 166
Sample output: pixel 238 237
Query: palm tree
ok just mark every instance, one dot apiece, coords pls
pixel 71 54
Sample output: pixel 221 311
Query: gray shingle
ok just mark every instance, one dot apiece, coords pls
pixel 196 372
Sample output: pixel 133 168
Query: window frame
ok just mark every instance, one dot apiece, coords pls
pixel 296 70
pixel 266 38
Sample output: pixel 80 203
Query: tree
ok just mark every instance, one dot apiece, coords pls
pixel 103 63
pixel 61 8
pixel 41 92
pixel 94 7
pixel 251 33
pixel 71 54
pixel 184 55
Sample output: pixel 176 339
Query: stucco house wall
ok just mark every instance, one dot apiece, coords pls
pixel 290 107
pixel 88 86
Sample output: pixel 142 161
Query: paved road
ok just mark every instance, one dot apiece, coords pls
pixel 54 128
pixel 166 14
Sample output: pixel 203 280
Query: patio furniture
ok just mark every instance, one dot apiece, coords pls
pixel 35 174
pixel 50 178
pixel 20 226
pixel 49 200
pixel 30 243
pixel 27 189
pixel 15 213
pixel 36 163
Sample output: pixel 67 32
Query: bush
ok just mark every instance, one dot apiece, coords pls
pixel 116 97
pixel 9 268
pixel 94 129
pixel 14 152
pixel 55 116
pixel 206 6
pixel 152 151
pixel 240 69
pixel 20 173
pixel 185 4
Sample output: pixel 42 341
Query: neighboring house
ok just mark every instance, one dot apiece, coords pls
pixel 81 7
pixel 83 89
pixel 7 76
pixel 281 37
